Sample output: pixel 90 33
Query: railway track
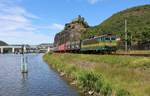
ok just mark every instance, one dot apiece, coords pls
pixel 121 54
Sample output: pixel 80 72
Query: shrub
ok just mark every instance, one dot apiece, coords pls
pixel 122 92
pixel 99 84
pixel 106 89
pixel 70 70
pixel 87 79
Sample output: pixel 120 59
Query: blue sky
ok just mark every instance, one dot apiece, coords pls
pixel 37 21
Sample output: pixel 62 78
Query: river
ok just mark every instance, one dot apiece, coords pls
pixel 41 80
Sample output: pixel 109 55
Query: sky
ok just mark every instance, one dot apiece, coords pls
pixel 37 21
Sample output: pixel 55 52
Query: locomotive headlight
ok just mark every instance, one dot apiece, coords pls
pixel 118 39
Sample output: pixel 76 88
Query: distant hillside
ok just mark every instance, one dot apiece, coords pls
pixel 138 24
pixel 3 43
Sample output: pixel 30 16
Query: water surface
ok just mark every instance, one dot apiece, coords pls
pixel 41 80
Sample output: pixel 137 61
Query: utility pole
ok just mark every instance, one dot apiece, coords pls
pixel 126 37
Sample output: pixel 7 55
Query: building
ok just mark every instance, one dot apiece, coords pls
pixel 45 47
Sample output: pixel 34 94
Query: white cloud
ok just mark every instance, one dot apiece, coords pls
pixel 56 26
pixel 93 1
pixel 14 17
pixel 24 37
pixel 16 24
pixel 89 1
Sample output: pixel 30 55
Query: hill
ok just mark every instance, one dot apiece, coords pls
pixel 72 31
pixel 138 25
pixel 3 43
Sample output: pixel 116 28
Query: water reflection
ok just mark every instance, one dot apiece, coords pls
pixel 24 76
pixel 39 81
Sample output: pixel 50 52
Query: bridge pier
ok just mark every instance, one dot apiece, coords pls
pixel 24 49
pixel 13 50
pixel 1 49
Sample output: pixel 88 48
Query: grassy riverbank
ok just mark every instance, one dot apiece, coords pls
pixel 104 74
pixel 134 52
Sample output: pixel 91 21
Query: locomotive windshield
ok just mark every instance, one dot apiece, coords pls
pixel 107 38
pixel 113 38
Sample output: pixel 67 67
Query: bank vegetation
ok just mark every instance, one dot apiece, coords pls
pixel 104 75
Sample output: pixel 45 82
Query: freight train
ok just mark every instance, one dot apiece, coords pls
pixel 102 44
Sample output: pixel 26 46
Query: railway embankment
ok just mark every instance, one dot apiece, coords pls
pixel 104 75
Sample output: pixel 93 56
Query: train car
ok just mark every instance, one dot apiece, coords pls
pixel 61 48
pixel 75 46
pixel 101 44
pixel 105 43
pixel 68 47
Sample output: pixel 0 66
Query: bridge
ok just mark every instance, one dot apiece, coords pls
pixel 12 49
pixel 42 48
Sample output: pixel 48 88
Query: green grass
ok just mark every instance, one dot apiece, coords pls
pixel 134 52
pixel 105 74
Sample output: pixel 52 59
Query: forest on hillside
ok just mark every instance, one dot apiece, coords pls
pixel 138 27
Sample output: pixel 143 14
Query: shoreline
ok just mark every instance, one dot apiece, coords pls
pixel 89 77
pixel 68 80
pixel 71 81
